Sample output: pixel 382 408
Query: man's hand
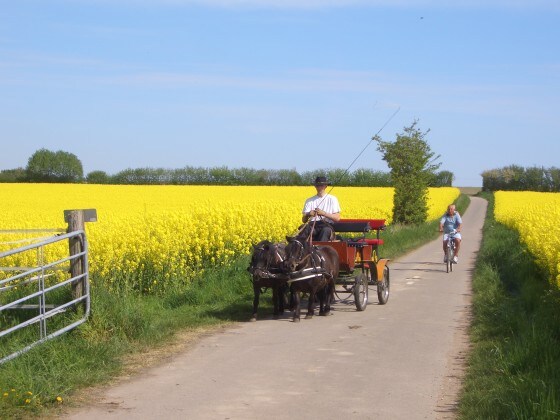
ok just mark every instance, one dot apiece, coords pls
pixel 320 212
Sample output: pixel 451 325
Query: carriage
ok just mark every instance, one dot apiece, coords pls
pixel 360 262
pixel 358 265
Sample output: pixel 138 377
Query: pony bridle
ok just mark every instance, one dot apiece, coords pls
pixel 276 260
pixel 301 261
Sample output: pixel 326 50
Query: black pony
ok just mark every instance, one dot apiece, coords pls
pixel 313 270
pixel 265 268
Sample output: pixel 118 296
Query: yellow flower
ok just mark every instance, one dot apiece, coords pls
pixel 534 215
pixel 6 394
pixel 148 236
pixel 59 400
pixel 27 401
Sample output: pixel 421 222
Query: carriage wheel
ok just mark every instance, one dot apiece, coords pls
pixel 383 287
pixel 361 292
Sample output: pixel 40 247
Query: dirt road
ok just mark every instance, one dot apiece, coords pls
pixel 398 361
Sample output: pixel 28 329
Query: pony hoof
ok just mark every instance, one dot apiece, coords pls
pixel 308 316
pixel 295 320
pixel 253 319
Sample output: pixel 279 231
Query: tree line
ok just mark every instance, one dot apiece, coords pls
pixel 518 178
pixel 413 168
pixel 64 167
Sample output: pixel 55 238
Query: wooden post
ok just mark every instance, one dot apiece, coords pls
pixel 75 219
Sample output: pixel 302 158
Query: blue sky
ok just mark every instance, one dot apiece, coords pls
pixel 279 84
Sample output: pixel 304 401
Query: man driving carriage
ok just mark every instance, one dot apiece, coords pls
pixel 320 212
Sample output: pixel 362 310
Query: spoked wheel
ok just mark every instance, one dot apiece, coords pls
pixel 383 287
pixel 449 263
pixel 361 292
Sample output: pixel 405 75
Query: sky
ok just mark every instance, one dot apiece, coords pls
pixel 280 84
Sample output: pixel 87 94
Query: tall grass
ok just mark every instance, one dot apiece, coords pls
pixel 125 322
pixel 514 367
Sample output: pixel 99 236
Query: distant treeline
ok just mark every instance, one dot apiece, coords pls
pixel 231 176
pixel 517 178
pixel 247 176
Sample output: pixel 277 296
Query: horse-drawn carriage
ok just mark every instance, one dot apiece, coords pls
pixel 346 265
pixel 359 260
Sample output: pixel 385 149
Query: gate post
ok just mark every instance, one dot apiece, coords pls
pixel 75 220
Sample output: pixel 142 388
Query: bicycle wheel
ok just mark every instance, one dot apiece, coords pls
pixel 449 263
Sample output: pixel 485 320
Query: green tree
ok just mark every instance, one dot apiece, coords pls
pixel 443 179
pixel 47 166
pixel 13 175
pixel 98 177
pixel 370 178
pixel 412 169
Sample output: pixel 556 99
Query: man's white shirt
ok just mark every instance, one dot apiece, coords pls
pixel 328 203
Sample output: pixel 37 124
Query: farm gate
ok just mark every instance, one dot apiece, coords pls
pixel 46 298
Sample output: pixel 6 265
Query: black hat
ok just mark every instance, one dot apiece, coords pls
pixel 321 180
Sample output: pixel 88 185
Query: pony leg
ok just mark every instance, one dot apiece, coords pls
pixel 276 302
pixel 257 292
pixel 292 299
pixel 329 297
pixel 322 307
pixel 283 297
pixel 310 306
pixel 296 296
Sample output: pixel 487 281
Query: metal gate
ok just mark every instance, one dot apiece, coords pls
pixel 35 300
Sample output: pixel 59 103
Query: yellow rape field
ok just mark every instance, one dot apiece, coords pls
pixel 535 216
pixel 148 237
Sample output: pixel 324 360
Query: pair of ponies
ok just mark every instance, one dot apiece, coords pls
pixel 290 270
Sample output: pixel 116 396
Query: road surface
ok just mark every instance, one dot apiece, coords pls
pixel 402 360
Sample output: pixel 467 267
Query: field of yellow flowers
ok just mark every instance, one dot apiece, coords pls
pixel 148 237
pixel 535 216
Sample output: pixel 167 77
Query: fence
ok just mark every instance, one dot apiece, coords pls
pixel 43 301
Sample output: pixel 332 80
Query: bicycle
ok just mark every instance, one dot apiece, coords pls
pixel 450 251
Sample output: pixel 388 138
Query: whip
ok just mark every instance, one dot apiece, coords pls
pixel 348 168
pixel 364 149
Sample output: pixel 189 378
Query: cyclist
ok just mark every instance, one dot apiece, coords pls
pixel 449 223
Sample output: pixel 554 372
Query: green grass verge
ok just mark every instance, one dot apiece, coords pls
pixel 514 366
pixel 128 324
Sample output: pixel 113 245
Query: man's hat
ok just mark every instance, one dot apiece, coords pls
pixel 321 180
